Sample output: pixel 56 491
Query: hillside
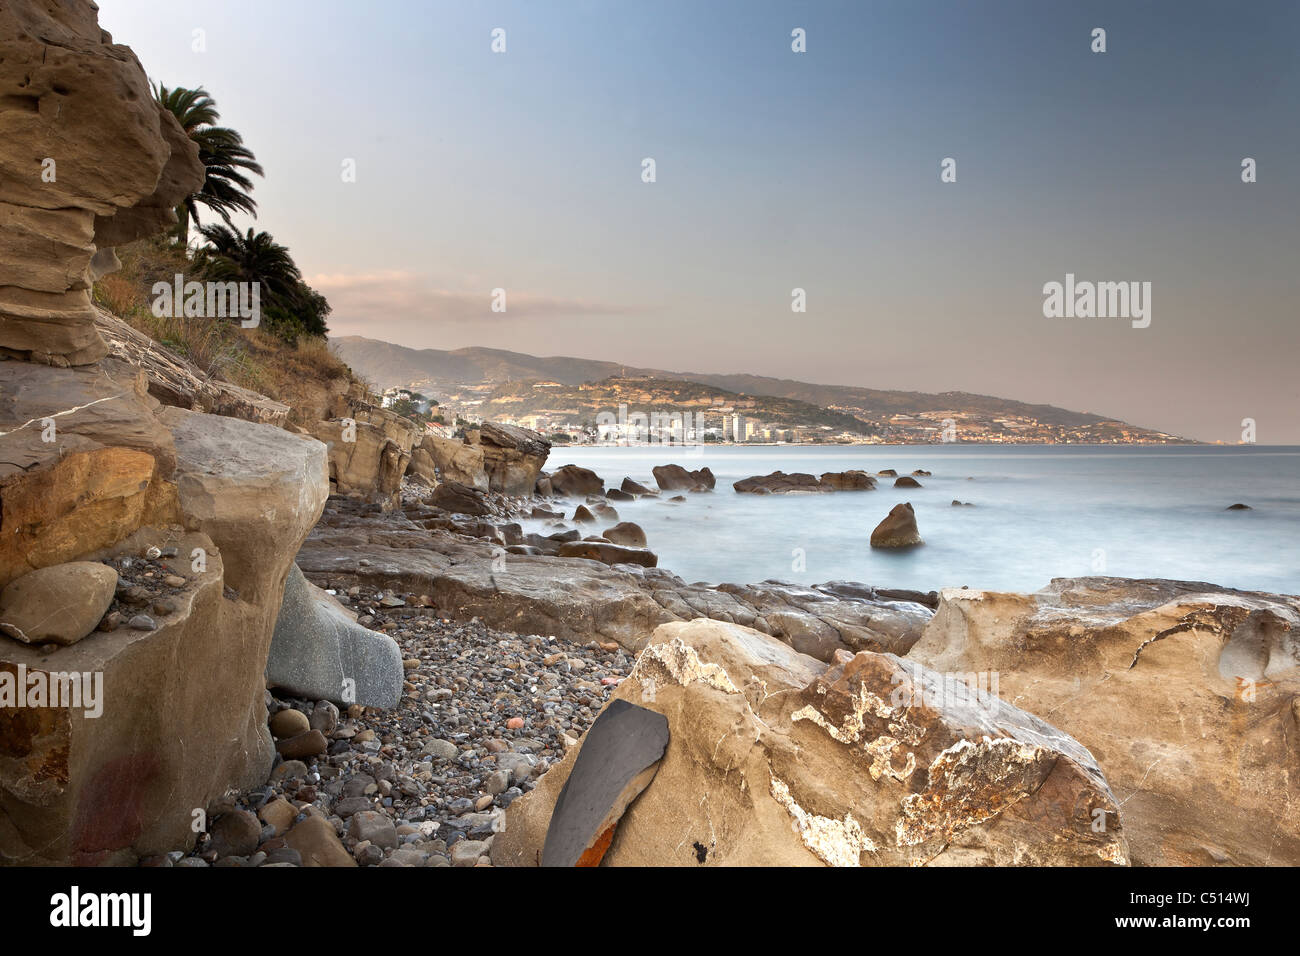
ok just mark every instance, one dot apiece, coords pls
pixel 386 364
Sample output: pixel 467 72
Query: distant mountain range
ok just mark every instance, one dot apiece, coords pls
pixel 385 365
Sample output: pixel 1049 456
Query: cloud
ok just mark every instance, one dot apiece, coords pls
pixel 361 301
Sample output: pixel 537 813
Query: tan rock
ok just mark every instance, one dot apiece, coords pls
pixel 60 604
pixel 1183 692
pixel 776 759
pixel 319 845
pixel 898 529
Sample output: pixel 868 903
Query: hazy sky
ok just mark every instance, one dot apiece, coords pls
pixel 775 170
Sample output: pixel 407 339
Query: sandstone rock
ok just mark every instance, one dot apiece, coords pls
pixel 1238 507
pixel 448 459
pixel 608 553
pixel 888 473
pixel 614 494
pixel 635 488
pixel 513 457
pixel 898 530
pixel 324 717
pixel 626 533
pixel 906 482
pixel 582 515
pixel 779 483
pixel 459 499
pixel 848 480
pixel 319 845
pixel 677 478
pixel 254 489
pixel 1183 691
pixel 72 94
pixel 60 604
pixel 319 651
pixel 572 480
pixel 776 759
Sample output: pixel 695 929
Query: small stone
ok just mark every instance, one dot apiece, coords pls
pixel 289 723
pixel 289 770
pixel 310 744
pixel 441 749
pixel 153 553
pixel 498 782
pixel 467 852
pixel 235 834
pixel 373 826
pixel 325 717
pixel 174 581
pixel 279 814
pixel 142 622
pixel 515 723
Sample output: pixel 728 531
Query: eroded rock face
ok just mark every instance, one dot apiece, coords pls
pixel 776 759
pixel 87 160
pixel 513 457
pixel 1184 692
pixel 447 459
pixel 848 480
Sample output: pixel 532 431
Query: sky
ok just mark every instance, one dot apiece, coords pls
pixel 778 170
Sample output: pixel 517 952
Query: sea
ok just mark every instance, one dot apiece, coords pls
pixel 1036 512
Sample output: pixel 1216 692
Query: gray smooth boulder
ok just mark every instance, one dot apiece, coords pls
pixel 317 646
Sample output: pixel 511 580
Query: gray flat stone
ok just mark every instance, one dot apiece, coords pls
pixel 317 647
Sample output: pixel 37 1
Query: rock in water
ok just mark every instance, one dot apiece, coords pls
pixel 898 530
pixel 627 533
pixel 776 759
pixel 572 480
pixel 848 480
pixel 779 483
pixel 1238 507
pixel 906 482
pixel 59 604
pixel 319 652
pixel 677 478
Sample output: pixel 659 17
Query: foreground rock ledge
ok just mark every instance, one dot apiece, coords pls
pixel 1187 693
pixel 776 759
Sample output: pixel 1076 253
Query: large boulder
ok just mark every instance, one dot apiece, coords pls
pixel 122 163
pixel 1185 692
pixel 627 533
pixel 779 483
pixel 775 759
pixel 677 478
pixel 898 529
pixel 459 499
pixel 320 652
pixel 575 481
pixel 513 457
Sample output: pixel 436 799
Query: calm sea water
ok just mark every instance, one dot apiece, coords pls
pixel 1040 512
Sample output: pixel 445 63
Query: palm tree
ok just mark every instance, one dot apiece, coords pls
pixel 252 257
pixel 222 151
pixel 290 305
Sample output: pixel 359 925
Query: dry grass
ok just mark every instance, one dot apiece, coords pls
pixel 298 375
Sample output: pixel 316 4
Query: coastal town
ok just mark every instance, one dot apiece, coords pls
pixel 638 411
